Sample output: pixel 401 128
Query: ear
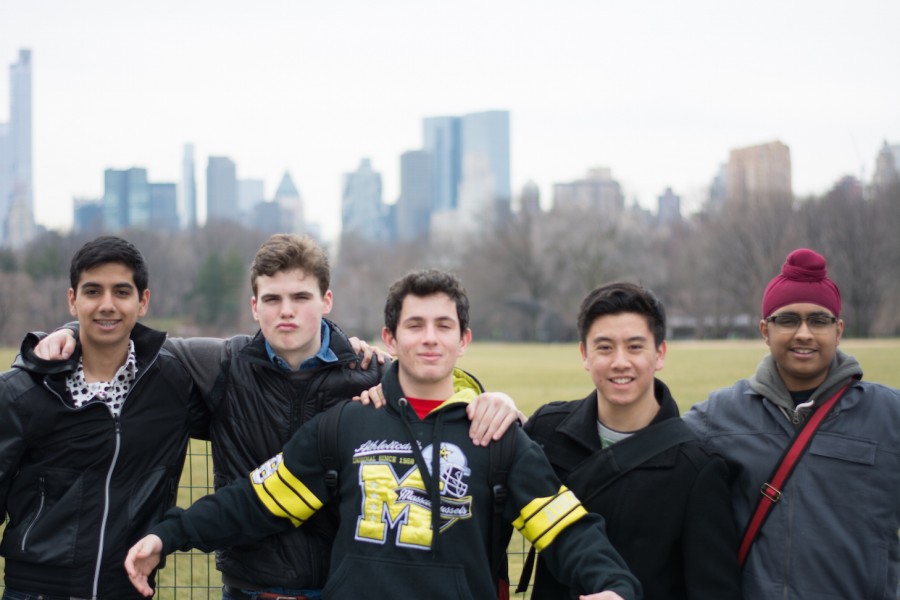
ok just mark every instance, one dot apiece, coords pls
pixel 764 330
pixel 253 308
pixel 145 302
pixel 464 340
pixel 840 330
pixel 661 356
pixel 72 310
pixel 584 357
pixel 327 302
pixel 389 342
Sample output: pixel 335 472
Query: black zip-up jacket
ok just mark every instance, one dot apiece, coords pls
pixel 81 486
pixel 257 407
pixel 403 533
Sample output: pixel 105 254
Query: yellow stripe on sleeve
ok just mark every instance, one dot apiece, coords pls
pixel 286 496
pixel 542 519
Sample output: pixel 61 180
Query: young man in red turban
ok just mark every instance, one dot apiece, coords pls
pixel 831 531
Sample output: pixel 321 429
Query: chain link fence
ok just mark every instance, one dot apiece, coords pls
pixel 193 575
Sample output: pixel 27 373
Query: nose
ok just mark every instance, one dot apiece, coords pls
pixel 106 301
pixel 803 331
pixel 430 334
pixel 287 308
pixel 620 358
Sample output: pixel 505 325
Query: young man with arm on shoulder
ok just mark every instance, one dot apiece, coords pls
pixel 262 388
pixel 91 449
pixel 668 513
pixel 415 506
pixel 832 531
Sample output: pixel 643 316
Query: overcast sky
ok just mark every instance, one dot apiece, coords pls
pixel 657 91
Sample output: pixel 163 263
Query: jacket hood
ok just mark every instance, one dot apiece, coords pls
pixel 767 381
pixel 465 388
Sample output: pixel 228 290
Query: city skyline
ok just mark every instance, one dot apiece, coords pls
pixel 657 96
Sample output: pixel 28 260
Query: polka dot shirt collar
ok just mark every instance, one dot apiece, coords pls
pixel 112 393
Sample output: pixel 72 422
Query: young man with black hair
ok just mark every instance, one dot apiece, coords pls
pixel 625 452
pixel 415 506
pixel 91 449
pixel 262 388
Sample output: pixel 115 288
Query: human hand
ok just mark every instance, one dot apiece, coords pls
pixel 491 414
pixel 373 395
pixel 368 352
pixel 607 595
pixel 142 558
pixel 59 345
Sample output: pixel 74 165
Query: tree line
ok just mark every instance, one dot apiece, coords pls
pixel 525 275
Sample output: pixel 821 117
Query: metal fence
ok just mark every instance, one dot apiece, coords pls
pixel 193 575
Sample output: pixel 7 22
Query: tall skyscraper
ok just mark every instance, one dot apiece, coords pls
pixel 16 188
pixel 126 199
pixel 362 209
pixel 484 192
pixel 291 202
pixel 163 206
pixel 469 169
pixel 187 205
pixel 413 211
pixel 441 139
pixel 759 175
pixel 221 190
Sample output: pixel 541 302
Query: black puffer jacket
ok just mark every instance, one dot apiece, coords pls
pixel 81 486
pixel 257 407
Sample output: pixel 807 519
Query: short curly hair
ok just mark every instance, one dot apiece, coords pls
pixel 422 283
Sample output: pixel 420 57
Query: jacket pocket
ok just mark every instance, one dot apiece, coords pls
pixel 45 512
pixel 356 576
pixel 152 495
pixel 42 498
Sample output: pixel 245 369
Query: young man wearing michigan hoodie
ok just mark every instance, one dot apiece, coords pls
pixel 412 489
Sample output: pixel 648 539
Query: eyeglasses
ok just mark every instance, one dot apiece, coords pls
pixel 789 322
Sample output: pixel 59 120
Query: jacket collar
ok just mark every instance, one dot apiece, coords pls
pixel 581 424
pixel 255 351
pixel 147 345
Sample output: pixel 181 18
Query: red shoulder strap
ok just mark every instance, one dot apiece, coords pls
pixel 771 491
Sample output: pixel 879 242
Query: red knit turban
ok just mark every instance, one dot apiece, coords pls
pixel 803 279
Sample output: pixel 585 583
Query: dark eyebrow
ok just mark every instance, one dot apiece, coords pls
pixel 118 286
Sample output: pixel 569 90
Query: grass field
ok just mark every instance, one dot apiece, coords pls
pixel 532 374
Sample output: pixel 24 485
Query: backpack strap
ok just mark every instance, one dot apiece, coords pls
pixel 603 468
pixel 328 446
pixel 502 452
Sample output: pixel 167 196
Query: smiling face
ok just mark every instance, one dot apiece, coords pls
pixel 622 358
pixel 107 304
pixel 427 343
pixel 803 357
pixel 289 307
